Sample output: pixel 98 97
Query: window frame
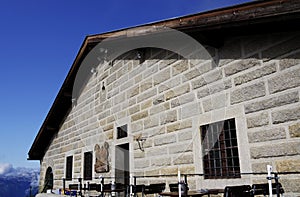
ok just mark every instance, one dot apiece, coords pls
pixel 69 168
pixel 88 166
pixel 220 152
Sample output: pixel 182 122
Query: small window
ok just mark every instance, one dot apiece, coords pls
pixel 69 167
pixel 220 150
pixel 122 131
pixel 88 166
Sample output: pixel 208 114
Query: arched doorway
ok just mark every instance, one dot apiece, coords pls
pixel 48 183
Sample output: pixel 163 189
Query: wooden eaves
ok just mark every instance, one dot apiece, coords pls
pixel 209 28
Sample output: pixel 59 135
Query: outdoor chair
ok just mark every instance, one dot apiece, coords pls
pixel 139 189
pixel 237 191
pixel 263 189
pixel 155 188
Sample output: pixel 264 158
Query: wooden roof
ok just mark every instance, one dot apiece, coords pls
pixel 210 28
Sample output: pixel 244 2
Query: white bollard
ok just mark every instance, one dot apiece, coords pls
pixel 269 169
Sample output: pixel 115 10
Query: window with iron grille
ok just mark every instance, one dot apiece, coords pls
pixel 69 167
pixel 220 150
pixel 88 166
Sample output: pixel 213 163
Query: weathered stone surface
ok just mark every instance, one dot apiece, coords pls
pixel 289 61
pixel 260 167
pixel 169 170
pixel 272 102
pixel 157 151
pixel 160 108
pixel 177 91
pixel 183 159
pixel 294 130
pixel 180 67
pixel 291 185
pixel 198 83
pixel 288 165
pixel 181 148
pixel 150 122
pixel 258 120
pixel 146 104
pixel 187 98
pixel 215 102
pixel 190 169
pixel 248 93
pixel 190 110
pixel 133 91
pixel 286 115
pixel 168 117
pixel 174 82
pixel 139 116
pixel 179 126
pixel 203 93
pixel 275 150
pixel 161 161
pixel 284 81
pixel 159 99
pixel 146 95
pixel 266 135
pixel 240 66
pixel 260 72
pixel 145 85
pixel 166 139
pixel 141 163
pixel 161 77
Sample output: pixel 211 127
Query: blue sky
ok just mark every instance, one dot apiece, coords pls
pixel 38 43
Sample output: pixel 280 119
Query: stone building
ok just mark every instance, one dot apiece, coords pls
pixel 153 111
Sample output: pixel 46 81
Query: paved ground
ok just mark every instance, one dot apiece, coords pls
pixel 48 195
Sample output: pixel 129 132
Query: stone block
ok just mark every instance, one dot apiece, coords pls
pixel 198 83
pixel 177 91
pixel 151 121
pixel 215 102
pixel 141 163
pixel 248 93
pixel 134 109
pixel 187 169
pixel 258 120
pixel 173 82
pixel 288 165
pixel 275 150
pixel 179 126
pixel 160 108
pixel 286 115
pixel 258 73
pixel 181 148
pixel 291 60
pixel 139 116
pixel 291 185
pixel 187 98
pixel 165 139
pixel 284 81
pixel 266 135
pixel 133 91
pixel 169 170
pixel 110 79
pixel 294 130
pixel 146 85
pixel 151 71
pixel 161 161
pixel 147 104
pixel 156 151
pixel 161 76
pixel 168 117
pixel 203 93
pixel 183 159
pixel 159 99
pixel 136 126
pixel 260 167
pixel 241 65
pixel 144 96
pixel 190 110
pixel 179 67
pixel 277 101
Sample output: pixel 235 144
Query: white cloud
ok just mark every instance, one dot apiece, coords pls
pixel 5 168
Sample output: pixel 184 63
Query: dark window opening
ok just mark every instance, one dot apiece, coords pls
pixel 69 167
pixel 122 132
pixel 220 150
pixel 88 166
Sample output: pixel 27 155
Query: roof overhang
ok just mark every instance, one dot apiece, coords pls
pixel 209 28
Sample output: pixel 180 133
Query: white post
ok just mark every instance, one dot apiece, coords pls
pixel 179 184
pixel 101 186
pixel 131 185
pixel 269 168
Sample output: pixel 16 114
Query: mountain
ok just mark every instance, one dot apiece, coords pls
pixel 17 182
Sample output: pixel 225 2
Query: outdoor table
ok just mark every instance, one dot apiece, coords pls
pixel 194 193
